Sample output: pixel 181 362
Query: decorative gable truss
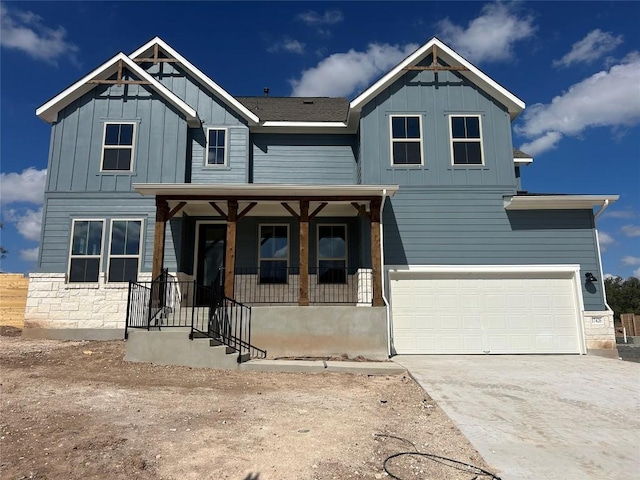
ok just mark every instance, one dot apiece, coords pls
pixel 116 66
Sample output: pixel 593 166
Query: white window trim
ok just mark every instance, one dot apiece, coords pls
pixel 260 258
pixel 453 140
pixel 71 256
pixel 105 147
pixel 346 244
pixel 226 148
pixel 140 245
pixel 393 140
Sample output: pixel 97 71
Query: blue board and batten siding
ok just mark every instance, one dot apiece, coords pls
pixel 77 136
pixel 415 93
pixel 214 114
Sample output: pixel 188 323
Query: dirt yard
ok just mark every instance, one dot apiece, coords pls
pixel 74 410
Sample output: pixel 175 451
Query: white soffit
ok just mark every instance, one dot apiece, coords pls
pixel 212 86
pixel 473 74
pixel 263 190
pixel 49 111
pixel 557 202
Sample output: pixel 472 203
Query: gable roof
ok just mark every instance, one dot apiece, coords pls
pixel 297 109
pixel 49 111
pixel 212 86
pixel 473 74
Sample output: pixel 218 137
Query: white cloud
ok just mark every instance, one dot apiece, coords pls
pixel 341 74
pixel 27 186
pixel 23 30
pixel 548 141
pixel 29 254
pixel 630 261
pixel 607 276
pixel 330 17
pixel 27 221
pixel 631 230
pixel 605 240
pixel 590 48
pixel 610 98
pixel 636 273
pixel 489 37
pixel 620 214
pixel 288 45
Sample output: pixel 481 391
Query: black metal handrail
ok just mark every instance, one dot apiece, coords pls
pixel 281 285
pixel 166 302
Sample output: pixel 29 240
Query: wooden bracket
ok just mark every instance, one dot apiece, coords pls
pixel 219 210
pixel 317 210
pixel 247 209
pixel 119 80
pixel 290 210
pixel 175 210
pixel 434 64
pixel 361 209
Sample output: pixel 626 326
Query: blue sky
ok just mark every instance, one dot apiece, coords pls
pixel 575 64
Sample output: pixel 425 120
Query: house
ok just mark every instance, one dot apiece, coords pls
pixel 394 223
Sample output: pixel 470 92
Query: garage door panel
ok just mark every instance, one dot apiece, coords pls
pixel 476 313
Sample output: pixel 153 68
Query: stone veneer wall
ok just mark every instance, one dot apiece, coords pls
pixel 53 303
pixel 599 331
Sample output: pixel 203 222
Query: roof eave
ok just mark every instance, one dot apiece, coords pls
pixel 212 86
pixel 557 202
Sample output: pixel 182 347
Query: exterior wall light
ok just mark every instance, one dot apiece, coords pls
pixel 589 277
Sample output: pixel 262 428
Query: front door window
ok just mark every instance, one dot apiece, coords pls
pixel 211 254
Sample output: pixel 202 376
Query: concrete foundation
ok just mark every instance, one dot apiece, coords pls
pixel 73 333
pixel 320 331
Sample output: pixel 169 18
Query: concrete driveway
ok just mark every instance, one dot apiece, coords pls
pixel 541 417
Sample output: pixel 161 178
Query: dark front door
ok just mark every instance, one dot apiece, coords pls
pixel 211 254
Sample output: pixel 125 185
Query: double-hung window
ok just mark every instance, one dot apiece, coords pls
pixel 216 146
pixel 332 254
pixel 274 253
pixel 86 251
pixel 124 250
pixel 118 146
pixel 466 140
pixel 406 140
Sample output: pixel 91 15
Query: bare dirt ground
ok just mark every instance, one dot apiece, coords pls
pixel 77 410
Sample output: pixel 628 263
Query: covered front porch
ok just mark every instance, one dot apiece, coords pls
pixel 275 244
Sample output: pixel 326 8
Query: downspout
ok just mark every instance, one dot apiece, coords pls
pixel 602 209
pixel 384 297
pixel 605 204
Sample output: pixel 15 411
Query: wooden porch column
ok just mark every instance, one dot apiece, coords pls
pixel 162 215
pixel 304 253
pixel 376 253
pixel 230 258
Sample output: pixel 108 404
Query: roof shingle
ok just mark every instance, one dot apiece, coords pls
pixel 297 109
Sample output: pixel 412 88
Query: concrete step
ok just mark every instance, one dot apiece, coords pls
pixel 171 347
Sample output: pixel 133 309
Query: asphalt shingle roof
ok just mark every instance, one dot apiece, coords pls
pixel 520 154
pixel 297 109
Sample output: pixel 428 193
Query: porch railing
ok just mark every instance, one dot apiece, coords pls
pixel 281 286
pixel 167 302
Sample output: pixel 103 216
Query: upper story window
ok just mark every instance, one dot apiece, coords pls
pixel 406 140
pixel 216 146
pixel 332 254
pixel 274 253
pixel 118 146
pixel 86 251
pixel 124 251
pixel 466 140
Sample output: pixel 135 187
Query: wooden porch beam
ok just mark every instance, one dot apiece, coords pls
pixel 376 253
pixel 247 209
pixel 317 210
pixel 175 210
pixel 282 198
pixel 230 257
pixel 361 209
pixel 303 301
pixel 162 212
pixel 121 82
pixel 291 210
pixel 219 210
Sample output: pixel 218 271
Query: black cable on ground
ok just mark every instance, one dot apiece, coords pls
pixel 450 462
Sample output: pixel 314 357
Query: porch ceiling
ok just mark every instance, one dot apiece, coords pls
pixel 267 208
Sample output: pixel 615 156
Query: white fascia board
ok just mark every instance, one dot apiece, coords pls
pixel 513 103
pixel 304 127
pixel 263 190
pixel 304 124
pixel 522 161
pixel 398 270
pixel 49 111
pixel 557 202
pixel 204 79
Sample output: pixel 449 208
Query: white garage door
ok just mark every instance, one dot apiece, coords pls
pixel 484 313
